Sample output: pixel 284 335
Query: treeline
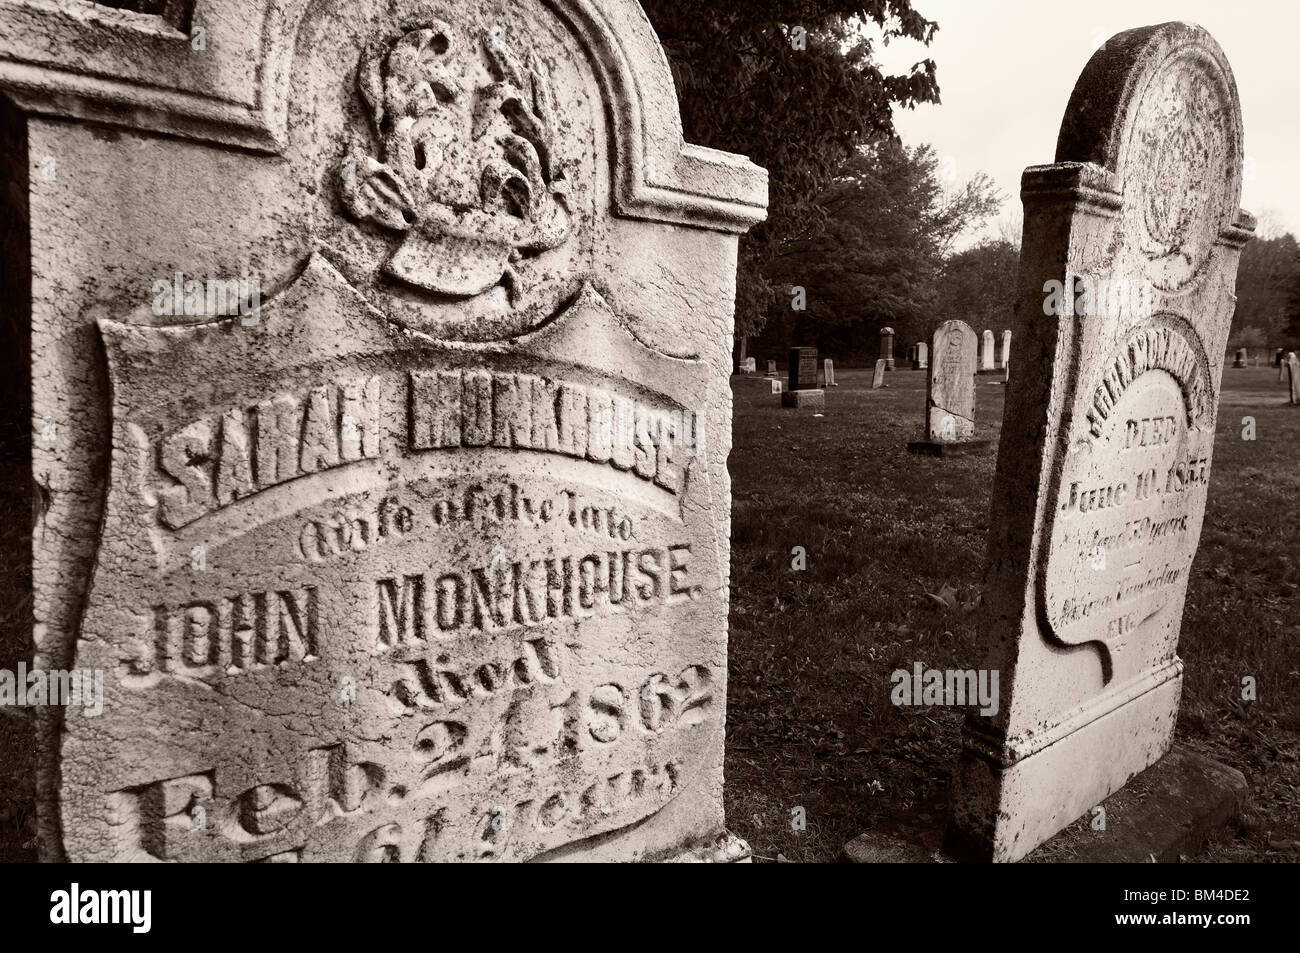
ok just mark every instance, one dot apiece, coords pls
pixel 861 228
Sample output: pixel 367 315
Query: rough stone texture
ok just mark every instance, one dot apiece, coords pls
pixel 803 368
pixel 1106 442
pixel 1293 376
pixel 811 399
pixel 428 558
pixel 950 392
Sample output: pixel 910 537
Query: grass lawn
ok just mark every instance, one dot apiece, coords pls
pixel 809 720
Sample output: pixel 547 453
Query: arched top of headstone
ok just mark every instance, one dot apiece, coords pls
pixel 886 330
pixel 222 73
pixel 1157 107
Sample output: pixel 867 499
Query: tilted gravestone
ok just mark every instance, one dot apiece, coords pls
pixel 878 377
pixel 803 390
pixel 423 555
pixel 1104 460
pixel 950 393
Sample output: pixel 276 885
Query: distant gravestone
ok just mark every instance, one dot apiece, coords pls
pixel 420 553
pixel 1106 444
pixel 921 361
pixel 829 372
pixel 987 359
pixel 1240 360
pixel 950 393
pixel 776 387
pixel 803 390
pixel 878 378
pixel 771 368
pixel 1277 358
pixel 750 366
pixel 1293 376
pixel 887 347
pixel 1004 356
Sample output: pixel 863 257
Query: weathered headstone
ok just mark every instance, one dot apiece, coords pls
pixel 921 361
pixel 803 390
pixel 1004 356
pixel 878 378
pixel 777 388
pixel 887 347
pixel 423 555
pixel 1293 376
pixel 1240 360
pixel 771 368
pixel 1105 451
pixel 950 393
pixel 828 371
pixel 987 360
pixel 749 366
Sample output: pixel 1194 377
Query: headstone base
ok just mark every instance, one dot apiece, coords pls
pixel 804 398
pixel 951 448
pixel 1166 813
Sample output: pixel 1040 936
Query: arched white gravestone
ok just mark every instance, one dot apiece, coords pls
pixel 1097 515
pixel 424 558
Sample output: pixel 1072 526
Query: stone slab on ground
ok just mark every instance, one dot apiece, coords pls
pixel 1165 814
pixel 804 398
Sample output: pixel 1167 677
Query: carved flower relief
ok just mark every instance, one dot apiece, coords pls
pixel 467 166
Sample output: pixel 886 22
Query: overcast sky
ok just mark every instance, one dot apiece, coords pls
pixel 1006 69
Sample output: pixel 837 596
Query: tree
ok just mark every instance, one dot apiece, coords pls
pixel 978 286
pixel 873 253
pixel 1268 292
pixel 793 85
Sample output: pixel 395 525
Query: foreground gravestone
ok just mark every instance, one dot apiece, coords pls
pixel 803 390
pixel 828 371
pixel 1105 452
pixel 422 556
pixel 950 393
pixel 1293 376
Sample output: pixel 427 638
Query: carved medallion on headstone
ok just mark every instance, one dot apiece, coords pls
pixel 468 169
